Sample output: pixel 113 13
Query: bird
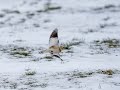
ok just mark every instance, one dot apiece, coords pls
pixel 54 47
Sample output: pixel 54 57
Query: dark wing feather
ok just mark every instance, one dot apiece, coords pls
pixel 54 34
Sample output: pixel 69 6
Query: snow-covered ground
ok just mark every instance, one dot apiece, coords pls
pixel 89 30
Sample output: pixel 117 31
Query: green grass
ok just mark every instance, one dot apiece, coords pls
pixel 21 53
pixel 49 7
pixel 30 73
pixel 48 57
pixel 16 51
pixel 110 43
pixel 74 42
pixel 82 74
pixel 79 74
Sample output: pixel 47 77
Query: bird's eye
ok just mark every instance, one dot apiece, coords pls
pixel 51 52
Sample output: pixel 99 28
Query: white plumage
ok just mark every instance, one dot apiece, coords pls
pixel 54 48
pixel 54 43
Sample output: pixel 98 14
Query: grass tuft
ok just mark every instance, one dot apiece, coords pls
pixel 47 57
pixel 78 74
pixel 21 53
pixel 49 7
pixel 69 44
pixel 110 43
pixel 29 72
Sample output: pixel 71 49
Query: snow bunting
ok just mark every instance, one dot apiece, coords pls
pixel 54 48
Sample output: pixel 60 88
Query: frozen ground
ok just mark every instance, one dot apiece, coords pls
pixel 89 30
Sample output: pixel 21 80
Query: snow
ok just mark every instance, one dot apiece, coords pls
pixel 25 26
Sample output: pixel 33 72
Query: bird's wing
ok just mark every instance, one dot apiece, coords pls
pixel 53 40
